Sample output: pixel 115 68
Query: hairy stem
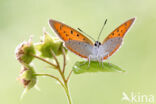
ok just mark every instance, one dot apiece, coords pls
pixel 64 82
pixel 40 58
pixel 48 75
pixel 68 94
pixel 62 75
pixel 69 75
pixel 64 60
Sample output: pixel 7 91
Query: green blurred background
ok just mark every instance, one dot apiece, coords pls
pixel 21 18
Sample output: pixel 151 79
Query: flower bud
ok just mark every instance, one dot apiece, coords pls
pixel 49 43
pixel 27 77
pixel 24 50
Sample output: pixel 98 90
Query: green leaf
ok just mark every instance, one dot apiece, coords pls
pixel 94 66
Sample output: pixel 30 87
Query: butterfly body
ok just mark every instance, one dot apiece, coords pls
pixel 82 46
pixel 97 52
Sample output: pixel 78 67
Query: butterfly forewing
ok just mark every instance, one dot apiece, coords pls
pixel 67 33
pixel 116 37
pixel 121 30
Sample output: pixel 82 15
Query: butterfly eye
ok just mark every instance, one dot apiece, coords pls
pixel 95 44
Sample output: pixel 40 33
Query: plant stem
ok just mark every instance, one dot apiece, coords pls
pixel 58 66
pixel 62 74
pixel 68 94
pixel 65 86
pixel 69 75
pixel 64 60
pixel 48 75
pixel 40 58
pixel 64 82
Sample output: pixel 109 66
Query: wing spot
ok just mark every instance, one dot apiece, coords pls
pixel 118 34
pixel 117 30
pixel 67 35
pixel 77 35
pixel 83 38
pixel 121 30
pixel 112 33
pixel 64 31
pixel 60 27
pixel 71 32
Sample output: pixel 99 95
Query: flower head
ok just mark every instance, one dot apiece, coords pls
pixel 24 50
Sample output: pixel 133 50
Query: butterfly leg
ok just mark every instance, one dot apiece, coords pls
pixel 89 58
pixel 100 61
pixel 97 58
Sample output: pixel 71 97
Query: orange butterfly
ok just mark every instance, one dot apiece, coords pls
pixel 84 47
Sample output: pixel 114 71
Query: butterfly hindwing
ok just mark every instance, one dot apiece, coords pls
pixel 110 46
pixel 80 48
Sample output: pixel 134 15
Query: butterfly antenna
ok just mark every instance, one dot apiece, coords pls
pixel 86 34
pixel 102 29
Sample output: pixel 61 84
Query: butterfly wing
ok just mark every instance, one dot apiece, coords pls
pixel 72 38
pixel 80 48
pixel 114 40
pixel 109 47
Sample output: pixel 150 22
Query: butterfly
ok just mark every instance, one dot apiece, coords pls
pixel 79 44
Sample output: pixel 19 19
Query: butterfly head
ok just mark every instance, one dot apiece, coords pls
pixel 97 44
